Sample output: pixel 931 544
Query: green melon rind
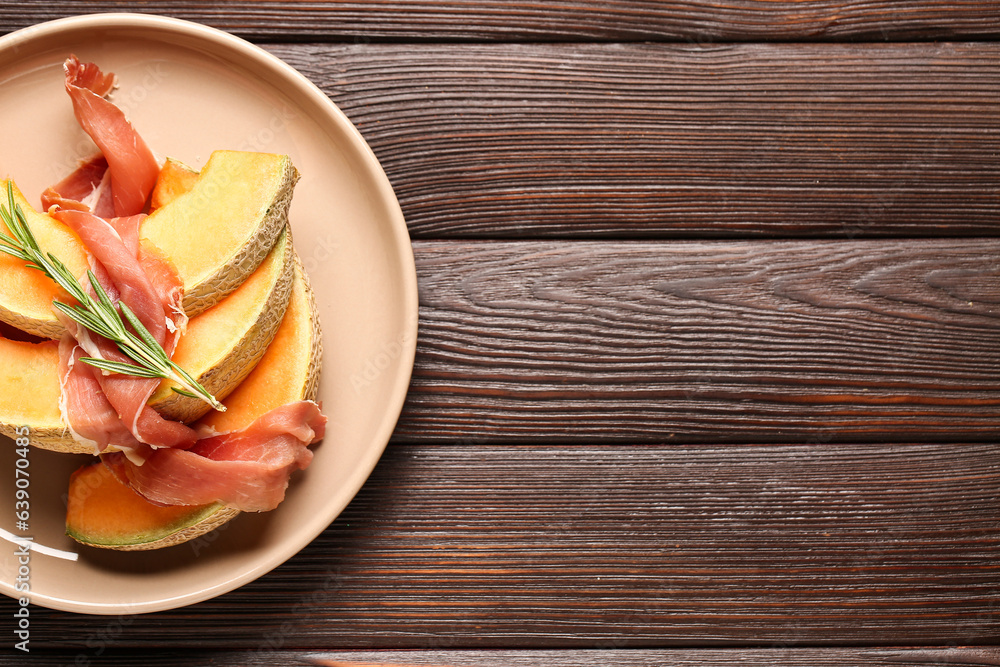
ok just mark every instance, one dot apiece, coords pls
pixel 54 437
pixel 310 391
pixel 195 525
pixel 36 326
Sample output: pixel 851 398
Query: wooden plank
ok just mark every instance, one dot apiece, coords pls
pixel 781 656
pixel 822 341
pixel 699 21
pixel 466 546
pixel 816 657
pixel 652 141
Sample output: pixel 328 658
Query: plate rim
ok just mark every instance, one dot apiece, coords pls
pixel 393 401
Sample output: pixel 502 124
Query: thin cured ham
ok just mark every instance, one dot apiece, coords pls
pixel 247 470
pixel 86 189
pixel 131 165
pixel 128 272
pixel 90 416
pixel 118 414
pixel 136 274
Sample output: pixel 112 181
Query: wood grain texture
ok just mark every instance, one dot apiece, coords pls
pixel 613 547
pixel 815 657
pixel 615 141
pixel 825 341
pixel 620 446
pixel 618 20
pixel 779 657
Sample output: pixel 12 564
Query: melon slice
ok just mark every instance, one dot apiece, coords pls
pixel 221 346
pixel 215 234
pixel 103 512
pixel 289 369
pixel 26 295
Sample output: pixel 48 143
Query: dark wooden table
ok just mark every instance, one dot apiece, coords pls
pixel 709 358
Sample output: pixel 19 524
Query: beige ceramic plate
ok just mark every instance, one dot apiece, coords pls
pixel 189 90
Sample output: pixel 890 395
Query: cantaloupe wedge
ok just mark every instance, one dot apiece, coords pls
pixel 215 234
pixel 220 347
pixel 223 344
pixel 26 295
pixel 289 369
pixel 103 512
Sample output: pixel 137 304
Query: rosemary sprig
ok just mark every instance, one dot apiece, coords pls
pixel 98 315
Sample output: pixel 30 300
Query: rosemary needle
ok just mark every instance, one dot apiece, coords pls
pixel 98 315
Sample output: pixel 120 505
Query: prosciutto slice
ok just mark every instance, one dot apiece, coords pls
pixel 134 273
pixel 130 273
pixel 91 417
pixel 86 189
pixel 102 201
pixel 131 164
pixel 248 470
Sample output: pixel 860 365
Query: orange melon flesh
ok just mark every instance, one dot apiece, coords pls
pixel 104 512
pixel 175 179
pixel 26 295
pixel 286 373
pixel 30 379
pixel 210 334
